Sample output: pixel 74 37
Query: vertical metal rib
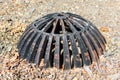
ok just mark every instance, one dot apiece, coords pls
pixel 24 40
pixel 47 53
pixel 40 51
pixel 27 45
pixel 62 25
pixel 93 47
pixel 94 43
pixel 32 48
pixel 54 25
pixel 57 52
pixel 92 52
pixel 75 53
pixel 66 53
pixel 86 58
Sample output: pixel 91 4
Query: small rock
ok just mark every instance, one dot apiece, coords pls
pixel 9 48
pixel 32 10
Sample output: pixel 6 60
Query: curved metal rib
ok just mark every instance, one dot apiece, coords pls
pixel 57 52
pixel 32 48
pixel 47 53
pixel 23 35
pixel 87 42
pixel 40 51
pixel 98 39
pixel 94 42
pixel 24 40
pixel 25 49
pixel 66 53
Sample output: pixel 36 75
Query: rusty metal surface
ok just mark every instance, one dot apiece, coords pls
pixel 63 40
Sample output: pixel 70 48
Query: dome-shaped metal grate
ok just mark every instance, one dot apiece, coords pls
pixel 62 40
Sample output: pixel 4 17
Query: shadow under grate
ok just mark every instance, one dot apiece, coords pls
pixel 63 40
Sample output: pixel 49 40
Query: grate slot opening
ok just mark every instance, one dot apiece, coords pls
pixel 41 62
pixel 52 52
pixel 70 52
pixel 58 29
pixel 79 52
pixel 61 54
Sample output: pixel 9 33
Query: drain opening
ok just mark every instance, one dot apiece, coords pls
pixel 61 54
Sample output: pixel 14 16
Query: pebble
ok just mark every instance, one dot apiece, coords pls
pixel 32 10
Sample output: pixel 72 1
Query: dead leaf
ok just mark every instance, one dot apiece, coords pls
pixel 104 29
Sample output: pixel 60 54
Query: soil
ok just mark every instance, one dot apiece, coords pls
pixel 16 15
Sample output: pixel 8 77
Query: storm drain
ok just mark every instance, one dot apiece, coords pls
pixel 62 40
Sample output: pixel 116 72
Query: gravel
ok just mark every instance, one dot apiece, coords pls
pixel 15 15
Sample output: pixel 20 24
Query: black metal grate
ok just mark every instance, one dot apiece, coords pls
pixel 63 40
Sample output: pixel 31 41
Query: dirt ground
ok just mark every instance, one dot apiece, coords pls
pixel 15 15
